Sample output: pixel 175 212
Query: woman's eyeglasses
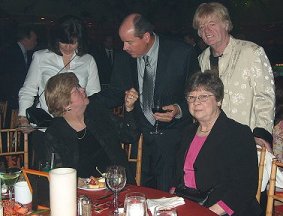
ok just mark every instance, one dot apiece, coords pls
pixel 201 98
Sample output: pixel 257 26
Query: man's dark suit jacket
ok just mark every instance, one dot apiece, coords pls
pixel 227 162
pixel 104 64
pixel 175 65
pixel 13 72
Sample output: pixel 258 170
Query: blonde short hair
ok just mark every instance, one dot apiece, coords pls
pixel 207 9
pixel 58 92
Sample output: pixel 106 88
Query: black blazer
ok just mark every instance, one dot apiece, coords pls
pixel 176 63
pixel 104 64
pixel 109 132
pixel 13 72
pixel 227 162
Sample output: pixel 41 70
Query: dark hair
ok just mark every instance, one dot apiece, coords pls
pixel 67 29
pixel 142 25
pixel 279 99
pixel 58 92
pixel 24 31
pixel 208 81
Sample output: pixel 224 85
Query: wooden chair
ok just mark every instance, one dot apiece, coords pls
pixel 271 192
pixel 3 112
pixel 262 152
pixel 14 118
pixel 29 175
pixel 13 142
pixel 138 160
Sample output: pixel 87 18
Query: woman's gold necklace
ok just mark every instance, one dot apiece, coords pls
pixel 82 135
pixel 204 131
pixel 207 131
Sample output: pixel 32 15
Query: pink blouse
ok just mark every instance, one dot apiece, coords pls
pixel 189 176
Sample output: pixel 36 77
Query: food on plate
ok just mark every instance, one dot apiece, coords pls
pixel 91 182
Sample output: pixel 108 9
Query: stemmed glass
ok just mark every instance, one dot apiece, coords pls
pixel 116 181
pixel 9 178
pixel 157 108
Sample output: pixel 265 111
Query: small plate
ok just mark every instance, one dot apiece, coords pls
pixel 82 184
pixel 91 189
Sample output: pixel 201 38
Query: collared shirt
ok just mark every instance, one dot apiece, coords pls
pixel 152 59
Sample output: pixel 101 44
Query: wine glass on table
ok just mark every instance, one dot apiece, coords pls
pixel 157 108
pixel 9 178
pixel 116 181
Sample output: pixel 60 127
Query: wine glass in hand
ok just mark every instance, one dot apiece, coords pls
pixel 157 108
pixel 116 181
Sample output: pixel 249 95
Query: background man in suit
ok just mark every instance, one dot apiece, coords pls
pixel 104 56
pixel 169 65
pixel 15 61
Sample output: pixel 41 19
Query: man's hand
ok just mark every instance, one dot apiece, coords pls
pixel 169 115
pixel 131 97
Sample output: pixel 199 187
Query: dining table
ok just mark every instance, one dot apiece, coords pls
pixel 102 201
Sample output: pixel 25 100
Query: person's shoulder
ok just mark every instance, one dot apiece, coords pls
pixel 247 45
pixel 236 126
pixel 56 124
pixel 86 58
pixel 173 43
pixel 44 53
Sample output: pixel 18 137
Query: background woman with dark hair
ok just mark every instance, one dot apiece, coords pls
pixel 66 53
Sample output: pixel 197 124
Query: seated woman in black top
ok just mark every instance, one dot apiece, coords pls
pixel 83 134
pixel 217 156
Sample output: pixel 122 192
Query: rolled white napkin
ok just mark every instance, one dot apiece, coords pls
pixel 171 202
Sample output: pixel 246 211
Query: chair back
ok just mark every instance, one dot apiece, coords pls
pixel 137 160
pixel 271 195
pixel 261 151
pixel 3 112
pixel 14 118
pixel 39 187
pixel 14 143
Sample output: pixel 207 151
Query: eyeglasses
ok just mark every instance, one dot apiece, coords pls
pixel 201 98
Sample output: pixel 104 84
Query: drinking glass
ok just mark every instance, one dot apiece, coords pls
pixel 163 211
pixel 116 181
pixel 157 108
pixel 9 178
pixel 135 204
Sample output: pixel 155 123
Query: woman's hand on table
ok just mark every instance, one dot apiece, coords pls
pixel 131 97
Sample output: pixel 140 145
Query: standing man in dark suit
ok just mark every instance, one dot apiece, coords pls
pixel 169 64
pixel 15 61
pixel 104 56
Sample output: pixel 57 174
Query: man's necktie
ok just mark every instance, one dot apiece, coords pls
pixel 147 91
pixel 110 57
